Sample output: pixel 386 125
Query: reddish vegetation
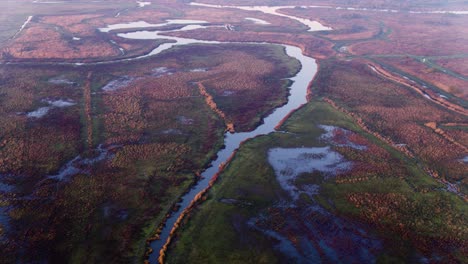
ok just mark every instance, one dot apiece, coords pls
pixel 43 42
pixel 74 24
pixel 422 34
pixel 311 45
pixel 395 113
pixel 401 147
pixel 51 38
pixel 459 65
pixel 387 211
pixel 211 103
pixel 149 15
pixel 376 33
pixel 369 165
pixel 34 149
pixel 130 154
pixel 441 132
pixel 420 90
pixel 243 89
pixel 456 131
pixel 444 81
pixel 373 162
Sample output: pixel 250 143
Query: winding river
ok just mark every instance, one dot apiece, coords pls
pixel 232 141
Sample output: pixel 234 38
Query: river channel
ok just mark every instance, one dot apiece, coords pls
pixel 232 141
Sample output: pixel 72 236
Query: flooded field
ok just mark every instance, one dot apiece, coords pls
pixel 290 163
pixel 42 111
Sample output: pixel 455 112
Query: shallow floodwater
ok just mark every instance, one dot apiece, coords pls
pixel 76 165
pixel 338 136
pixel 117 84
pixel 161 71
pixel 4 217
pixel 42 111
pixel 319 236
pixel 143 4
pixel 258 21
pixel 289 163
pixel 60 80
pixel 311 234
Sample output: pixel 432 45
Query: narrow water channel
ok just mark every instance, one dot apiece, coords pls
pixel 232 141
